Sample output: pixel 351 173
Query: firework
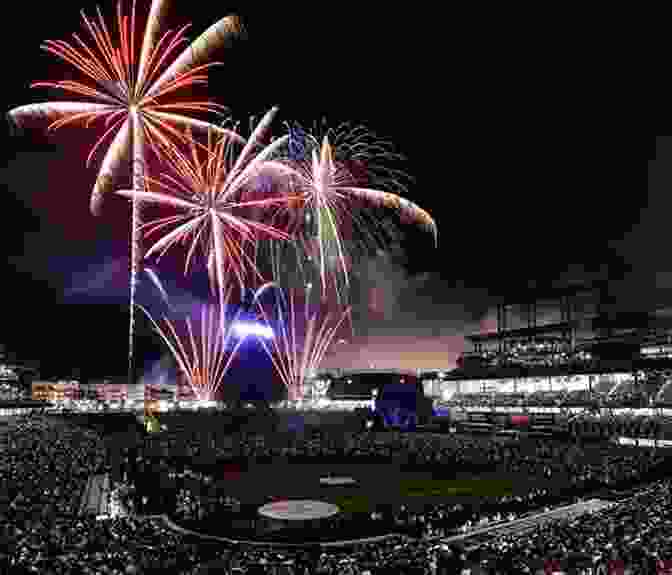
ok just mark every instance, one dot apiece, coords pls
pixel 213 215
pixel 158 284
pixel 329 178
pixel 204 349
pixel 132 97
pixel 302 339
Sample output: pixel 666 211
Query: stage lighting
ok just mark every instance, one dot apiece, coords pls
pixel 246 329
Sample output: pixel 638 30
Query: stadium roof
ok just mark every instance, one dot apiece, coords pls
pixel 634 320
pixel 547 293
pixel 369 371
pixel 596 368
pixel 629 320
pixel 20 367
pixel 24 403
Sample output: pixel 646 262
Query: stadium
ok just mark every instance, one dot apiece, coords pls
pixel 203 200
pixel 541 429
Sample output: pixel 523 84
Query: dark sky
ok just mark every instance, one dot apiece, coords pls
pixel 522 181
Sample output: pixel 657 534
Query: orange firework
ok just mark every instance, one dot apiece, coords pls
pixel 203 350
pixel 134 95
pixel 208 195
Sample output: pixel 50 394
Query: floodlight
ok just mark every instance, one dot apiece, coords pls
pixel 244 329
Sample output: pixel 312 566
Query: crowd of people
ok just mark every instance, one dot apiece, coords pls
pixel 46 463
pixel 635 535
pixel 572 469
pixel 623 425
pixel 571 462
pixel 625 398
pixel 559 398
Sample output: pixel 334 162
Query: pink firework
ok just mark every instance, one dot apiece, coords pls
pixel 330 179
pixel 301 339
pixel 203 349
pixel 134 94
pixel 213 216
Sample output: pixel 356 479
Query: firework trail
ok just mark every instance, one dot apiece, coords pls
pixel 158 284
pixel 302 338
pixel 213 215
pixel 134 94
pixel 204 348
pixel 331 179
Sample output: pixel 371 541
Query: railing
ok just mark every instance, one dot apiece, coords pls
pixel 532 520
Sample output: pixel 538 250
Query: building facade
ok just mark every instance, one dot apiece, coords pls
pixel 591 348
pixel 55 391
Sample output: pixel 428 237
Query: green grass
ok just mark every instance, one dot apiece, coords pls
pixel 426 488
pixel 448 488
pixel 355 503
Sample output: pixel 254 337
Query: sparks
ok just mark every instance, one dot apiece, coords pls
pixel 208 196
pixel 301 340
pixel 204 349
pixel 135 99
pixel 130 94
pixel 326 177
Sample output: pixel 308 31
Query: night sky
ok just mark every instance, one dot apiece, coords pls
pixel 507 157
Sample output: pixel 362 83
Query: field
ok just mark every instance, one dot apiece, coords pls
pixel 387 482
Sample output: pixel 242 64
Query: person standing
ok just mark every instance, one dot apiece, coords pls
pixel 433 564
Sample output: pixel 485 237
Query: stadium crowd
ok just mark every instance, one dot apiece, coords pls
pixel 574 470
pixel 626 398
pixel 583 466
pixel 624 425
pixel 45 466
pixel 635 534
